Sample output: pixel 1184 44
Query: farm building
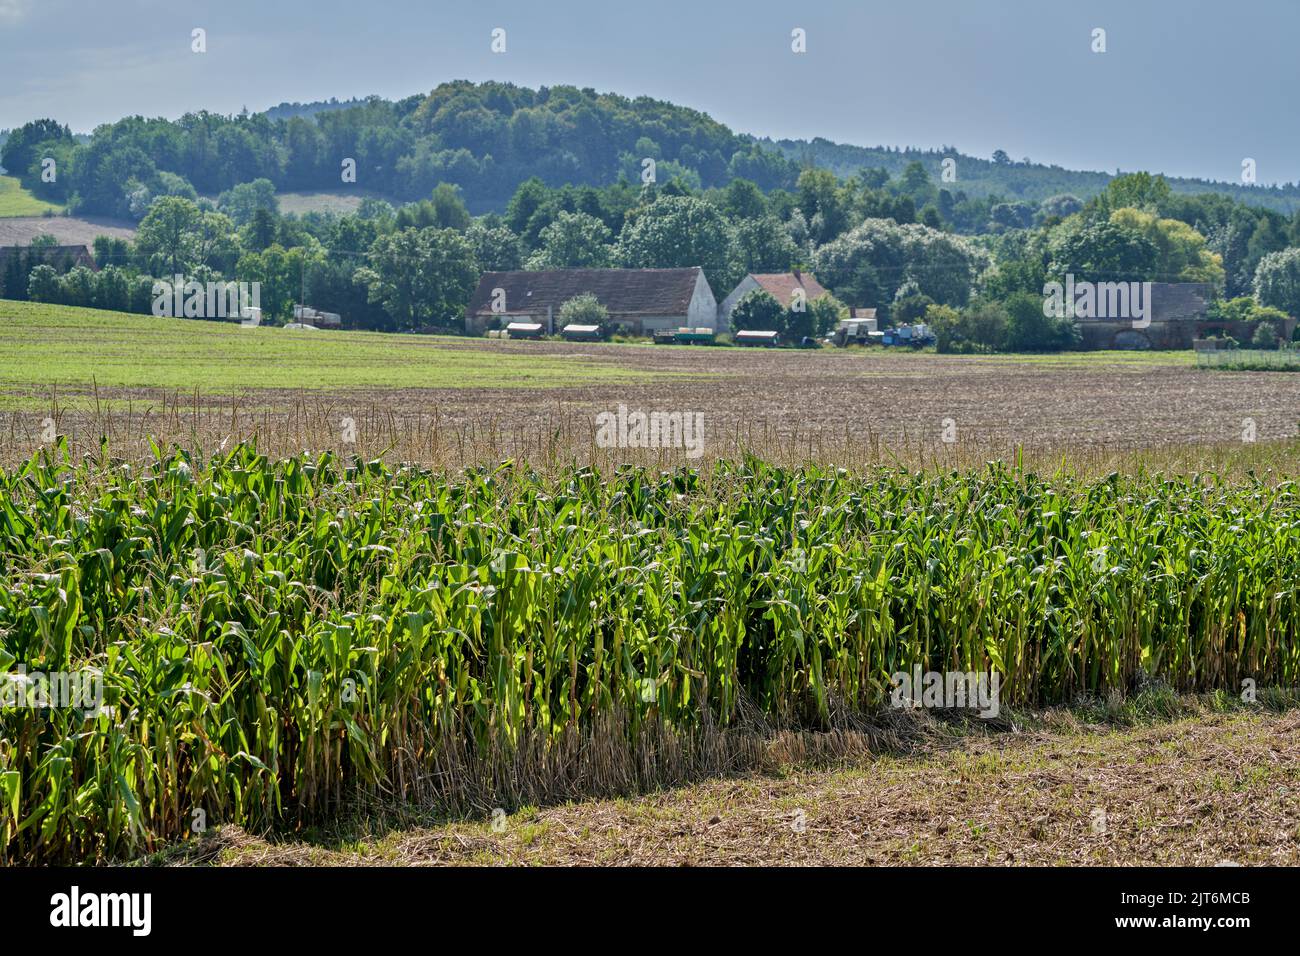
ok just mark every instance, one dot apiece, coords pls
pixel 782 286
pixel 639 300
pixel 1178 316
pixel 62 258
pixel 17 262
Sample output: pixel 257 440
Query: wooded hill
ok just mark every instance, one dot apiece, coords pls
pixel 487 138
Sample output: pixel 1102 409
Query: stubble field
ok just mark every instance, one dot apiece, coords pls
pixel 446 400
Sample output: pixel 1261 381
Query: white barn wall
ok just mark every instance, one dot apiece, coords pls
pixel 703 310
pixel 747 285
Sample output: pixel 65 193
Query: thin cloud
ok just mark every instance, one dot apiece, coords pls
pixel 11 11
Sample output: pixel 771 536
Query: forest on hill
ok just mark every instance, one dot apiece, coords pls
pixel 1003 176
pixel 487 139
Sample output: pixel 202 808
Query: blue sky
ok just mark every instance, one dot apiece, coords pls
pixel 1186 88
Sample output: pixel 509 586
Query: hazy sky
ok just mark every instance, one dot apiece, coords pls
pixel 1188 88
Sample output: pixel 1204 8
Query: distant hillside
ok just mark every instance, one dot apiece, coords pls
pixel 486 138
pixel 1014 180
pixel 288 110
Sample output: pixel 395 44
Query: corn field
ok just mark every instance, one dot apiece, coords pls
pixel 281 639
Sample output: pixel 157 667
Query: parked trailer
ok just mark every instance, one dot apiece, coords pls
pixel 321 320
pixel 524 330
pixel 697 335
pixel 685 335
pixel 755 337
pixel 581 333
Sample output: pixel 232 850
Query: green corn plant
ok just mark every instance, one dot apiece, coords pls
pixel 280 639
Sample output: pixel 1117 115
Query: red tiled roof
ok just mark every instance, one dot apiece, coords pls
pixel 781 285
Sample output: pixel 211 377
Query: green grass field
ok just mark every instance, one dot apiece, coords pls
pixel 46 345
pixel 16 201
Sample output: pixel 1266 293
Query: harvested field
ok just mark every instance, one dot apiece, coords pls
pixel 1166 794
pixel 68 230
pixel 96 373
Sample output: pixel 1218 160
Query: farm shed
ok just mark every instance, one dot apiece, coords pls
pixel 782 286
pixel 581 333
pixel 1177 317
pixel 638 300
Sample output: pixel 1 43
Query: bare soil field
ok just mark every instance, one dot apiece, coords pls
pixel 68 230
pixel 88 375
pixel 849 406
pixel 1106 399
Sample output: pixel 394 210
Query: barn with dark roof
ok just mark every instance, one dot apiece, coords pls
pixel 1178 311
pixel 639 300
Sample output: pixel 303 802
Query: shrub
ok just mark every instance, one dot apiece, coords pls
pixel 1265 338
pixel 757 311
pixel 1029 330
pixel 584 309
pixel 980 328
pixel 43 284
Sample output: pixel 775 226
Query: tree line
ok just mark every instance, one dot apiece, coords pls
pixel 873 240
